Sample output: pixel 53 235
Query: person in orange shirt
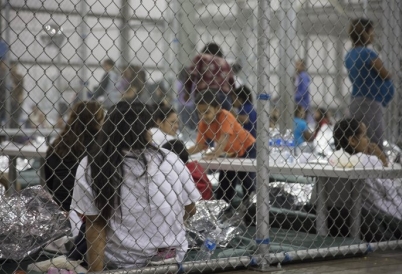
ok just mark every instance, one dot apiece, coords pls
pixel 230 138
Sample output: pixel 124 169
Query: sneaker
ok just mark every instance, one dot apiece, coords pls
pixel 164 256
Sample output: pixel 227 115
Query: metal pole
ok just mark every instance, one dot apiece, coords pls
pixel 241 31
pixel 389 58
pixel 7 60
pixel 287 34
pixel 263 68
pixel 170 35
pixel 125 33
pixel 339 45
pixel 83 50
pixel 233 262
pixel 187 32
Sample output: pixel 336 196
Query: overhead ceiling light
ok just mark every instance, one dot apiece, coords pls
pixel 54 34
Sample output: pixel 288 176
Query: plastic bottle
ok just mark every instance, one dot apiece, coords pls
pixel 275 147
pixel 288 148
pixel 209 245
pixel 288 153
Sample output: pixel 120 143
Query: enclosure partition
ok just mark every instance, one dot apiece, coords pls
pixel 303 207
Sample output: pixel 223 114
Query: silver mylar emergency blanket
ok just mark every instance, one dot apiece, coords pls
pixel 29 220
pixel 207 220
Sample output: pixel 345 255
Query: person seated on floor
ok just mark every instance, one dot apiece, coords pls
pixel 70 147
pixel 167 124
pixel 381 197
pixel 135 197
pixel 196 170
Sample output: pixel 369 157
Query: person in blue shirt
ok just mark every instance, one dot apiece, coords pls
pixel 301 131
pixel 246 116
pixel 372 87
pixel 302 94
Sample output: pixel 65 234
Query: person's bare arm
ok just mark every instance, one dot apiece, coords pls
pixel 373 149
pixel 196 148
pixel 189 210
pixel 242 119
pixel 308 136
pixel 96 241
pixel 219 147
pixel 378 65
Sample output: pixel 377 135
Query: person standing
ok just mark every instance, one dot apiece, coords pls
pixel 302 82
pixel 210 71
pixel 106 92
pixel 372 87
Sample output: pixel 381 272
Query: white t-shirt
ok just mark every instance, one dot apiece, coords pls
pixel 159 137
pixel 152 208
pixel 382 196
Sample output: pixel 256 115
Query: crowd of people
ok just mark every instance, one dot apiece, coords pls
pixel 130 178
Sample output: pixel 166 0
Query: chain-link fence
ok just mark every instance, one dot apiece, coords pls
pixel 129 133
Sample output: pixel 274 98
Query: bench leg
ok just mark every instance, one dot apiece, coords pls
pixel 355 214
pixel 322 212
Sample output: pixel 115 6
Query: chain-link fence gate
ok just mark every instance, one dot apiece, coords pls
pixel 130 139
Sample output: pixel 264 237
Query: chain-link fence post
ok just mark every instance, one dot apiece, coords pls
pixel 263 96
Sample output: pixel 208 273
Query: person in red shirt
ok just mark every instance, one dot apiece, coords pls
pixel 230 138
pixel 210 71
pixel 201 180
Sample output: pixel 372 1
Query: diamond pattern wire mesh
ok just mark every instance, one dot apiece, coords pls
pixel 129 135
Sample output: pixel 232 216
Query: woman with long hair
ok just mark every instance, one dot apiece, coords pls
pixel 65 153
pixel 135 196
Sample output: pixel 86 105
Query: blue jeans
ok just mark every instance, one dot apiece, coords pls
pixel 228 180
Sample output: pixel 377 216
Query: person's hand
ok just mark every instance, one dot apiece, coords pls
pixel 186 96
pixel 231 155
pixel 209 157
pixel 374 149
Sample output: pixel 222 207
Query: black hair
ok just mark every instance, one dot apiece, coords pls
pixel 358 30
pixel 343 130
pixel 244 94
pixel 125 129
pixel 212 48
pixel 323 113
pixel 109 62
pixel 207 97
pixel 162 112
pixel 236 68
pixel 298 111
pixel 178 148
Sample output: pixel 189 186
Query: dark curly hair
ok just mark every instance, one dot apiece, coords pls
pixel 343 130
pixel 358 31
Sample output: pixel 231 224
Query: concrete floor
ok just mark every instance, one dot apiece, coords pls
pixel 389 262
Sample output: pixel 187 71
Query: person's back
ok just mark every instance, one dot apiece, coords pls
pixel 211 72
pixel 302 93
pixel 366 81
pixel 65 153
pixel 134 196
pixel 151 212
